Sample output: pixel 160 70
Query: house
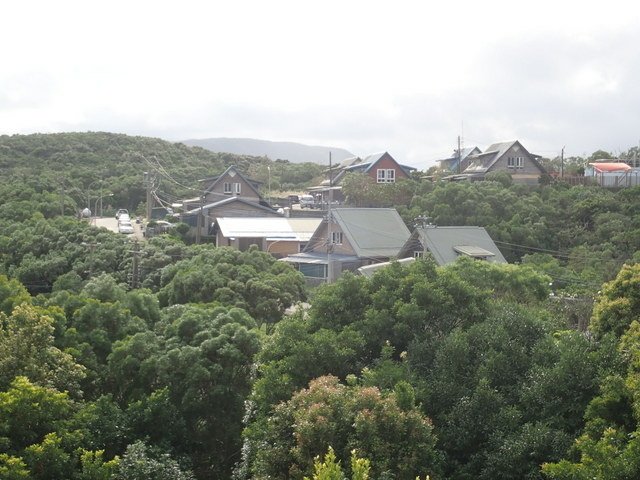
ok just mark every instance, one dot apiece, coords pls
pixel 228 207
pixel 349 239
pixel 510 157
pixel 446 244
pixel 381 167
pixel 231 183
pixel 458 163
pixel 280 236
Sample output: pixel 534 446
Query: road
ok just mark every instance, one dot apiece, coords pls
pixel 110 223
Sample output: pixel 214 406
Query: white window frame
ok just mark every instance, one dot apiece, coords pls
pixel 418 254
pixel 336 238
pixel 386 175
pixel 227 188
pixel 515 162
pixel 236 188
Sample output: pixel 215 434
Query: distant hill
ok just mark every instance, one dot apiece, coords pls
pixel 84 164
pixel 294 152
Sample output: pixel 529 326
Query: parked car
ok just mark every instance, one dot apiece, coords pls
pixel 120 212
pixel 157 227
pixel 307 201
pixel 294 199
pixel 125 227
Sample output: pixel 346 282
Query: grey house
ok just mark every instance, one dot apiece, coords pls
pixel 511 157
pixel 351 238
pixel 446 244
pixel 458 163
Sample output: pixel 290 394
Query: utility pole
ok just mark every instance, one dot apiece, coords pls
pixel 199 226
pixel 562 163
pixel 329 239
pixel 148 183
pixel 135 273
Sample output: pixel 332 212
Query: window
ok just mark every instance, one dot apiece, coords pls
pixel 313 270
pixel 386 175
pixel 515 162
pixel 230 188
pixel 418 254
pixel 336 238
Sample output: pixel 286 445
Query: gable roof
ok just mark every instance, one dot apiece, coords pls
pixel 216 180
pixel 372 232
pixel 271 228
pixel 228 200
pixel 482 162
pixel 463 154
pixel 446 244
pixel 370 161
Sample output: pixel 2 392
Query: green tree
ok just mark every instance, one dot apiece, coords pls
pixel 27 348
pixel 13 468
pixel 29 412
pixel 618 304
pixel 12 294
pixel 397 441
pixel 140 463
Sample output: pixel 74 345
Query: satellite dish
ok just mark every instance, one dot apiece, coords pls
pixel 86 213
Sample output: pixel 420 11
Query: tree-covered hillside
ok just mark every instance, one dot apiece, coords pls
pixel 74 166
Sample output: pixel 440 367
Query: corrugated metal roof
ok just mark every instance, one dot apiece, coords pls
pixel 274 228
pixel 225 201
pixel 441 242
pixel 372 232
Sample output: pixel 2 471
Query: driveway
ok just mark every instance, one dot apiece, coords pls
pixel 110 223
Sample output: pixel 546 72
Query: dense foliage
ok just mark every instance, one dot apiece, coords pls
pixel 187 366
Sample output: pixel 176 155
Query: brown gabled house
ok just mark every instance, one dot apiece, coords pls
pixel 231 183
pixel 381 167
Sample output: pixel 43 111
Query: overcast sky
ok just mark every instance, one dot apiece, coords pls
pixel 407 77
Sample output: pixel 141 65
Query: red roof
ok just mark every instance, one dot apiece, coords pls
pixel 610 167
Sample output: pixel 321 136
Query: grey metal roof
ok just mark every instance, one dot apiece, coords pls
pixel 482 162
pixel 463 154
pixel 372 232
pixel 225 201
pixel 272 228
pixel 442 242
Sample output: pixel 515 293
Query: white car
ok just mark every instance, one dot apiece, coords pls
pixel 122 211
pixel 125 227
